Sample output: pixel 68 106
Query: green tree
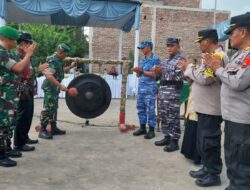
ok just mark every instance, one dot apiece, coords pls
pixel 48 37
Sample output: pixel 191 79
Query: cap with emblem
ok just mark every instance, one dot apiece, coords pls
pixel 172 41
pixel 207 34
pixel 64 48
pixel 145 44
pixel 25 37
pixel 9 32
pixel 239 21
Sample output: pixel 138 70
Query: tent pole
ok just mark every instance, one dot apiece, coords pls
pixel 120 50
pixel 90 47
pixel 136 59
pixel 2 21
pixel 136 53
pixel 153 27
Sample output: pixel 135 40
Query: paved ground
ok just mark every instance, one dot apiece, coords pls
pixel 99 158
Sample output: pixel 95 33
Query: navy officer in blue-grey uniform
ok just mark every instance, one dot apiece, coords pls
pixel 147 91
pixel 171 81
pixel 235 103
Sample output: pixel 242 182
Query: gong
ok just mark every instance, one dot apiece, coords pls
pixel 93 97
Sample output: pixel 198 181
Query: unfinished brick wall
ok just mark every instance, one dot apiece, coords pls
pixel 181 3
pixel 169 23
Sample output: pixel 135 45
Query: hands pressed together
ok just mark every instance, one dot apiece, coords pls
pixel 212 61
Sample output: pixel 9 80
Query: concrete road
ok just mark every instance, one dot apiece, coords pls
pixel 99 158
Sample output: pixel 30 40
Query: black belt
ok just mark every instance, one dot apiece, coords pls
pixel 177 84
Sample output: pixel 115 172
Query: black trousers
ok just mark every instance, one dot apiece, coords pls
pixel 209 142
pixel 24 120
pixel 237 154
pixel 188 148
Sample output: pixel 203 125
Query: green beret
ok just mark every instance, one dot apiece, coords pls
pixel 9 33
pixel 64 48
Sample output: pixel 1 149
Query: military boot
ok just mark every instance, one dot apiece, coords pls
pixel 44 134
pixel 208 181
pixel 199 173
pixel 164 142
pixel 141 131
pixel 173 146
pixel 231 187
pixel 57 131
pixel 11 152
pixel 6 162
pixel 150 134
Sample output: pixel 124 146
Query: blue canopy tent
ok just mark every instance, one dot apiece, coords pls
pixel 118 14
pixel 221 28
pixel 98 13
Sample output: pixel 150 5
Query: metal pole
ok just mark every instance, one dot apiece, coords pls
pixel 90 47
pixel 153 27
pixel 2 21
pixel 136 59
pixel 215 9
pixel 120 50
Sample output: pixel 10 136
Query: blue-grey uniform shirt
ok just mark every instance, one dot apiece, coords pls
pixel 147 85
pixel 171 70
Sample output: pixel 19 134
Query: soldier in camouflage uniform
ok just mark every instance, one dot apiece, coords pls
pixel 171 82
pixel 147 90
pixel 8 87
pixel 52 86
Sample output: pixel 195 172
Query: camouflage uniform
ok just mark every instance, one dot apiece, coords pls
pixel 169 96
pixel 147 90
pixel 51 92
pixel 8 96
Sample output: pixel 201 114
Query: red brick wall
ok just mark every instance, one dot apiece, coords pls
pixel 169 23
pixel 181 3
pixel 184 25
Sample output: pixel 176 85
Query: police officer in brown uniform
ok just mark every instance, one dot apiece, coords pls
pixel 235 103
pixel 206 89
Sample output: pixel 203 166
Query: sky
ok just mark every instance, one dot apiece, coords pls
pixel 235 6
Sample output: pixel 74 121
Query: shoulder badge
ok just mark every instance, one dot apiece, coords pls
pixel 246 62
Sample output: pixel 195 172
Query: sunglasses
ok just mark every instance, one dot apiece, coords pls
pixel 170 45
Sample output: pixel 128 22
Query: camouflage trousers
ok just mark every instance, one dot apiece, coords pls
pixel 146 109
pixel 50 105
pixel 169 110
pixel 8 113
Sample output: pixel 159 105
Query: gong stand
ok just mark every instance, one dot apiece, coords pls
pixel 125 67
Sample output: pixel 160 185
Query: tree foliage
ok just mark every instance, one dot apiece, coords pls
pixel 48 37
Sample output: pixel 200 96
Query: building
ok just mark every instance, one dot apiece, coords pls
pixel 159 19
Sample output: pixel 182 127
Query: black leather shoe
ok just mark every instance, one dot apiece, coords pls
pixel 198 174
pixel 57 131
pixel 25 148
pixel 30 141
pixel 6 162
pixel 13 153
pixel 140 132
pixel 163 142
pixel 208 181
pixel 231 188
pixel 43 134
pixel 150 134
pixel 173 146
